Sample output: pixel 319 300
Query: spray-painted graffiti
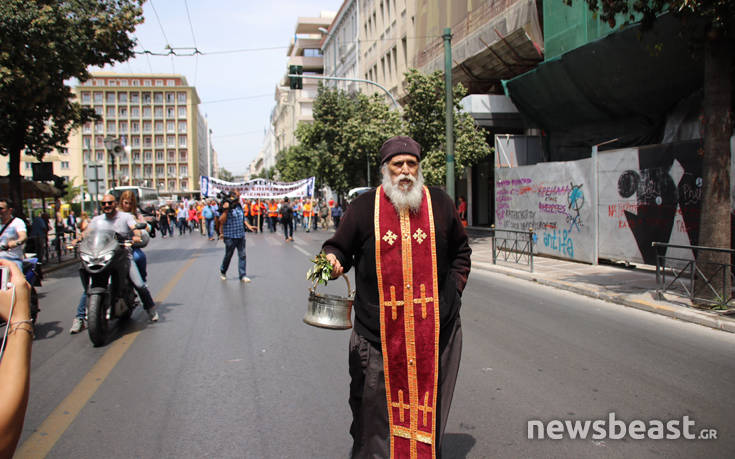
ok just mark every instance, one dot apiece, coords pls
pixel 560 242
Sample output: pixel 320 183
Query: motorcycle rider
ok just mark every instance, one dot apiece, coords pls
pixel 124 224
pixel 12 235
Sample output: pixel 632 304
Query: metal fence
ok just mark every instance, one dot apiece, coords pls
pixel 512 246
pixel 688 278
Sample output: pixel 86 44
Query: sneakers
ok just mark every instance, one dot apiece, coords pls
pixel 222 276
pixel 245 280
pixel 77 325
pixel 152 314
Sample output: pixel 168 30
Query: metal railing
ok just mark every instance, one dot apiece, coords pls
pixel 512 246
pixel 687 274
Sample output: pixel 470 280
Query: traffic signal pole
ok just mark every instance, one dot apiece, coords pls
pixel 358 80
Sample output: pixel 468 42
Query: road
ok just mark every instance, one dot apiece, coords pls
pixel 230 370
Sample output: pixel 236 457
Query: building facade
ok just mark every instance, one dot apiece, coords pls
pixel 341 48
pixel 156 117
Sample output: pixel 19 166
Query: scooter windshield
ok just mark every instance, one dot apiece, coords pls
pixel 100 235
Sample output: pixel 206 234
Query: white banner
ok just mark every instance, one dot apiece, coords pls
pixel 258 188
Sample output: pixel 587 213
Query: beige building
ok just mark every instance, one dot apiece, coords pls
pixel 156 117
pixel 387 43
pixel 295 105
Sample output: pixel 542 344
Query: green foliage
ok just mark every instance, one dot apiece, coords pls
pixel 425 118
pixel 44 44
pixel 268 174
pixel 341 145
pixel 321 272
pixel 225 175
pixel 71 191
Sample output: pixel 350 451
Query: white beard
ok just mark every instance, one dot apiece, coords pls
pixel 401 197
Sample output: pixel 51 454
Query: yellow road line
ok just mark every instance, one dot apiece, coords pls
pixel 39 444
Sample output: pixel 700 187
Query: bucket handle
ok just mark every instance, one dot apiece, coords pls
pixel 350 292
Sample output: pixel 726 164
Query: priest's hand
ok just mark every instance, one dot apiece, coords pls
pixel 337 269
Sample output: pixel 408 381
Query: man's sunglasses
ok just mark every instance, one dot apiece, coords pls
pixel 108 203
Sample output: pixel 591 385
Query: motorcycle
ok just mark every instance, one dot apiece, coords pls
pixel 104 274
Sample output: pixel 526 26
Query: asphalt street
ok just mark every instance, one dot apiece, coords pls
pixel 231 370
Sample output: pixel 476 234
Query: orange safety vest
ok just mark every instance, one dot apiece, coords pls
pixel 255 209
pixel 272 210
pixel 245 210
pixel 307 210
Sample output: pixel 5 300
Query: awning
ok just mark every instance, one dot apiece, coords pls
pixel 620 86
pixel 30 189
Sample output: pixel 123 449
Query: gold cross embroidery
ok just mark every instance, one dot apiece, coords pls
pixel 419 235
pixel 390 237
pixel 426 409
pixel 423 300
pixel 402 406
pixel 393 303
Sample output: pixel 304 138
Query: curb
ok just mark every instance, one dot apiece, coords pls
pixel 673 311
pixel 56 266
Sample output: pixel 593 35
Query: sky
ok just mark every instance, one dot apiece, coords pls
pixel 236 88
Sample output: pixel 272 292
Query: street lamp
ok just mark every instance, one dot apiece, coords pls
pixel 114 147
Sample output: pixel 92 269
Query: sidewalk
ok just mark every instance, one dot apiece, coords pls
pixel 633 287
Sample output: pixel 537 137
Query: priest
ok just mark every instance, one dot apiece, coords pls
pixel 411 259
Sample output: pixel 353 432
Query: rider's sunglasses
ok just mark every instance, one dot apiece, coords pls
pixel 108 203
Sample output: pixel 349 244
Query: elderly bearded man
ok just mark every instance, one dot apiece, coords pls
pixel 411 259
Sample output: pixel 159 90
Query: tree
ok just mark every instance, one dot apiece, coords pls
pixel 43 44
pixel 225 175
pixel 425 118
pixel 718 37
pixel 295 163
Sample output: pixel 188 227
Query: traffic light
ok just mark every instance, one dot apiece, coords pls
pixel 295 82
pixel 61 184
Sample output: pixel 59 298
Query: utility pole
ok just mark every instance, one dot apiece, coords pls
pixel 449 129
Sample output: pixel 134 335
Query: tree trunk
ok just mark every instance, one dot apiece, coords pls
pixel 15 185
pixel 714 226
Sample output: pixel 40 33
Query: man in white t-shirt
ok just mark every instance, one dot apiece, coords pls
pixel 13 234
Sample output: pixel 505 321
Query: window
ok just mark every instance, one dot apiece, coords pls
pixel 170 127
pixel 134 82
pixel 183 170
pixel 136 171
pixel 171 155
pixel 159 127
pixel 124 82
pixel 136 155
pixel 135 127
pixel 110 111
pixel 171 141
pixel 86 97
pixel 147 98
pixel 124 170
pixel 312 52
pixel 171 170
pixel 158 113
pixel 87 128
pixel 182 141
pixel 134 98
pixel 87 157
pixel 99 110
pixel 170 82
pixel 97 97
pixel 122 97
pixel 182 155
pixel 182 112
pixel 159 155
pixel 99 141
pixel 98 127
pixel 146 127
pixel 159 140
pixel 169 98
pixel 86 142
pixel 161 185
pixel 147 141
pixel 170 112
pixel 157 97
pixel 146 112
pixel 172 185
pixel 184 184
pixel 182 97
pixel 159 82
pixel 110 97
pixel 147 171
pixel 123 112
pixel 135 141
pixel 147 83
pixel 148 156
pixel 123 127
pixel 182 127
pixel 159 170
pixel 100 155
pixel 65 164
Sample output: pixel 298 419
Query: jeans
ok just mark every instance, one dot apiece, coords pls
pixel 230 246
pixel 182 226
pixel 210 227
pixel 288 228
pixel 142 262
pixel 138 284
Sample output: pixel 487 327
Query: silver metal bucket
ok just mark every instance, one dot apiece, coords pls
pixel 330 311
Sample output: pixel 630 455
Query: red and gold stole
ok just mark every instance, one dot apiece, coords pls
pixel 405 253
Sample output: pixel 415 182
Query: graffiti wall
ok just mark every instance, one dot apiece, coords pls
pixel 649 194
pixel 552 198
